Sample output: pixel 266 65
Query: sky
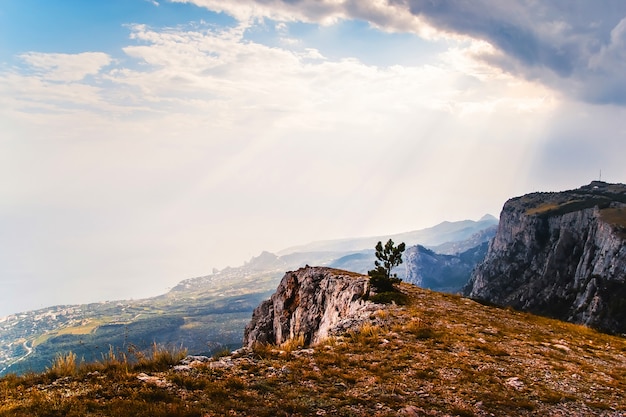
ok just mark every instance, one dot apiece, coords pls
pixel 143 142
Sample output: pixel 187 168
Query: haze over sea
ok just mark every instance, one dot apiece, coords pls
pixel 148 141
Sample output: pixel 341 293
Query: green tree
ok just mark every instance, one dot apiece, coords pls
pixel 388 257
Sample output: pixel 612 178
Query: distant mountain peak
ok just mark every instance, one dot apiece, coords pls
pixel 488 218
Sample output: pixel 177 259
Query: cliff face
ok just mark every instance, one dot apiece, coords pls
pixel 561 255
pixel 439 272
pixel 310 303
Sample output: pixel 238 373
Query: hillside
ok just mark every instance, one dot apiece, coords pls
pixel 440 355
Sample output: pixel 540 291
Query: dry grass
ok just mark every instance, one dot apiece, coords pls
pixel 292 344
pixel 615 216
pixel 441 355
pixel 158 358
pixel 543 208
pixel 63 365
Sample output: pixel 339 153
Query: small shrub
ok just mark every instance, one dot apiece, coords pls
pixel 390 297
pixel 112 362
pixel 599 405
pixel 380 282
pixel 427 373
pixel 369 330
pixel 492 350
pixel 263 387
pixel 330 342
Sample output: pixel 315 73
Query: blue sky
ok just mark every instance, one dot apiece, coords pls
pixel 78 26
pixel 145 142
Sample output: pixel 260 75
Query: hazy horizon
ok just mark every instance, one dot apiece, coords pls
pixel 135 294
pixel 149 141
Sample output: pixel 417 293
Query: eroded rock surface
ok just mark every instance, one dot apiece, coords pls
pixel 561 255
pixel 311 303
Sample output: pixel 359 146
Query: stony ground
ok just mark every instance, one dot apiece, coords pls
pixel 441 355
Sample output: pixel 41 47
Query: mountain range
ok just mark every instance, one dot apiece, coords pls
pixel 208 313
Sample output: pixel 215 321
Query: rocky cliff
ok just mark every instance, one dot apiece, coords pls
pixel 311 303
pixel 562 255
pixel 448 273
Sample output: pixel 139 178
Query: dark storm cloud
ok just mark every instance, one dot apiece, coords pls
pixel 577 46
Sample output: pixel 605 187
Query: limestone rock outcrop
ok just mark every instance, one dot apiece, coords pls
pixel 311 303
pixel 561 255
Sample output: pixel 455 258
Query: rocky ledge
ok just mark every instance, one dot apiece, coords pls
pixel 311 303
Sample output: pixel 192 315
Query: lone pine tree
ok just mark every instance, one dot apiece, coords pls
pixel 388 257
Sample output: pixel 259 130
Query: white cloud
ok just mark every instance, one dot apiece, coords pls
pixel 385 15
pixel 66 67
pixel 574 46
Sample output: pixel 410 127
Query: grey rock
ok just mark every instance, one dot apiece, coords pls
pixel 194 358
pixel 309 303
pixel 562 255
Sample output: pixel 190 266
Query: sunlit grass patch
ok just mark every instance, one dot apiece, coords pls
pixel 293 344
pixel 615 216
pixel 542 208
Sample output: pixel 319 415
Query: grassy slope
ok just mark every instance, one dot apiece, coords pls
pixel 440 355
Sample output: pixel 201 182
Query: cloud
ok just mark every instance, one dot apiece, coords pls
pixel 382 14
pixel 195 77
pixel 574 46
pixel 566 45
pixel 66 67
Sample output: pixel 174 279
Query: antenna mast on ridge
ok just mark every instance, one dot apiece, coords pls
pixel 600 175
